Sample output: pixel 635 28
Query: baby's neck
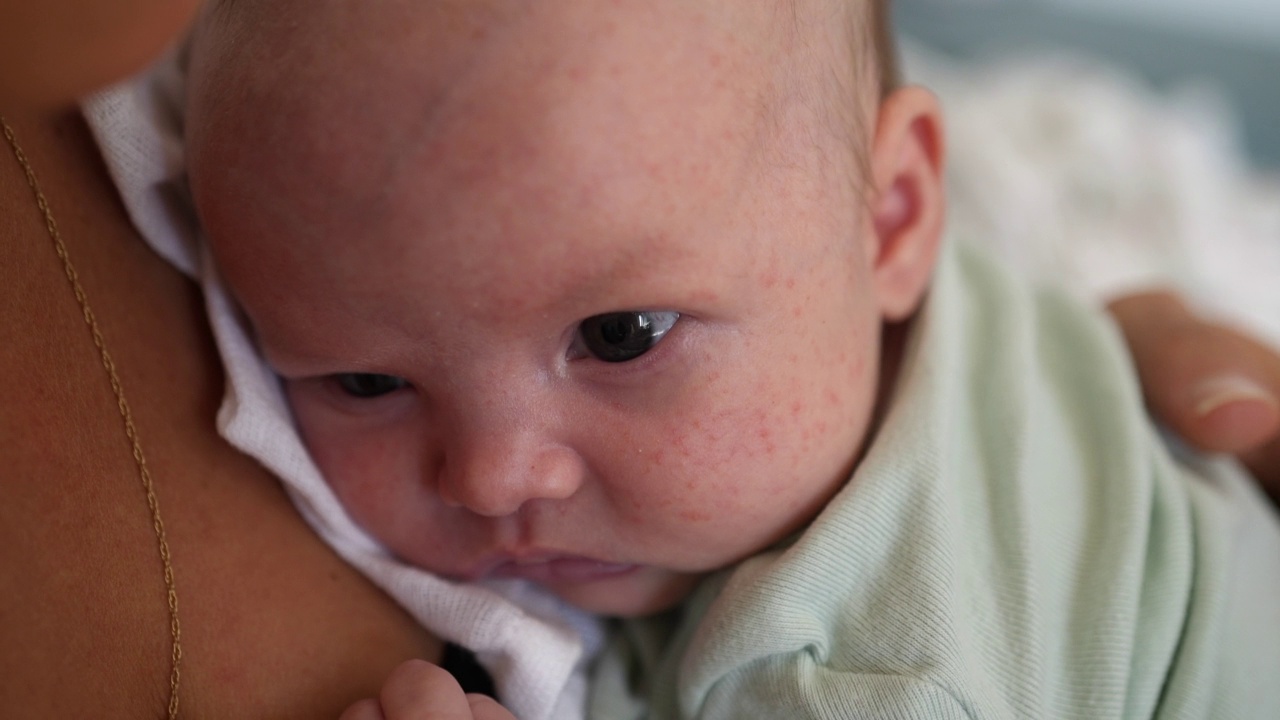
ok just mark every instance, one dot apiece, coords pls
pixel 893 343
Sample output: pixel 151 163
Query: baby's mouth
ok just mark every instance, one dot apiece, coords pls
pixel 556 569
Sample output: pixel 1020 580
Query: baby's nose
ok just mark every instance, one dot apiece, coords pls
pixel 494 474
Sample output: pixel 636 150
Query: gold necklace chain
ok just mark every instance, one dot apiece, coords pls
pixel 140 460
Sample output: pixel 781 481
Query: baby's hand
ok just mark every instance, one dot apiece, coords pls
pixel 418 690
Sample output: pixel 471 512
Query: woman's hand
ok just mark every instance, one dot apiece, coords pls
pixel 1215 387
pixel 418 690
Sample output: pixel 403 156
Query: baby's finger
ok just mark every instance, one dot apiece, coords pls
pixel 418 690
pixel 484 707
pixel 367 709
pixel 1215 387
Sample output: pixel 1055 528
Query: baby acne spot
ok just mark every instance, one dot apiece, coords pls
pixel 681 446
pixel 695 516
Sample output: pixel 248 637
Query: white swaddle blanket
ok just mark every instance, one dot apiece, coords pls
pixel 1064 167
pixel 535 646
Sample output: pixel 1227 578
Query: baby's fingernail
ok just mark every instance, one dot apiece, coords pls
pixel 1223 390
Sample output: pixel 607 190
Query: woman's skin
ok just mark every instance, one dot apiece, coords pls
pixel 273 623
pixel 1214 386
pixel 54 51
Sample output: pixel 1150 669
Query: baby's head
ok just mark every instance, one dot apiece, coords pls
pixel 589 293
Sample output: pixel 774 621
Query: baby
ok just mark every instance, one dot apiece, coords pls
pixel 623 298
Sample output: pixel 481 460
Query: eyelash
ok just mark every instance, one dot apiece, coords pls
pixel 347 385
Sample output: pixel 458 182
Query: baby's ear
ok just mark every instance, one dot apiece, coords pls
pixel 907 200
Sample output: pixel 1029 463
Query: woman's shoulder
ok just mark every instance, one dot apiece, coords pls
pixel 273 623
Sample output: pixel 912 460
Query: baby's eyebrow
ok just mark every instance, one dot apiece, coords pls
pixel 306 354
pixel 295 364
pixel 633 263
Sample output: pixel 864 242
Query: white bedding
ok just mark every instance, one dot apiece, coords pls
pixel 1083 176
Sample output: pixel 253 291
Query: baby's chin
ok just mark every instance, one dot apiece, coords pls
pixel 643 591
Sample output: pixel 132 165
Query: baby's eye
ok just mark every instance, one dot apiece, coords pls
pixel 369 385
pixel 622 336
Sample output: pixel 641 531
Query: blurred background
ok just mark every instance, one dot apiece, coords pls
pixel 1230 45
pixel 1110 146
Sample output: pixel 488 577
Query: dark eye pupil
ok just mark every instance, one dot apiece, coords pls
pixel 369 385
pixel 617 329
pixel 623 336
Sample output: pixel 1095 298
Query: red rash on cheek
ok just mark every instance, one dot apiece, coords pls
pixel 696 516
pixel 765 435
pixel 679 442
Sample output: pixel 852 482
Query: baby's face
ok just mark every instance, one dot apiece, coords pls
pixel 571 293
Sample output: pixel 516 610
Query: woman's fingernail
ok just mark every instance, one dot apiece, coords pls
pixel 1217 392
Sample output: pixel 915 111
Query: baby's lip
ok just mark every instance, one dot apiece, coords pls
pixel 551 567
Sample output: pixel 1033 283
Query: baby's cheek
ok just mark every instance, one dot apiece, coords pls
pixel 723 441
pixel 356 466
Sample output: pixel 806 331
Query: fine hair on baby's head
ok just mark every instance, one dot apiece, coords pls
pixel 590 294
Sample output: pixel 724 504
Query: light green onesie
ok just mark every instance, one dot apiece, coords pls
pixel 1017 543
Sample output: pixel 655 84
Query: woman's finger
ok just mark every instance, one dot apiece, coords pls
pixel 1215 387
pixel 1264 462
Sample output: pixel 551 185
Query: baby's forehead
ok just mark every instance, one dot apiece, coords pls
pixel 355 73
pixel 359 113
pixel 439 39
